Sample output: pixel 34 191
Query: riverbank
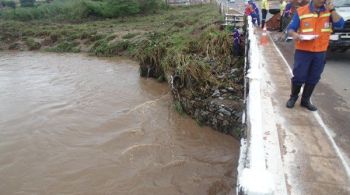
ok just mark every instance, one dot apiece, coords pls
pixel 184 46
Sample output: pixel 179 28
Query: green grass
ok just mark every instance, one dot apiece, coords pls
pixel 130 35
pixel 65 47
pixel 32 45
pixel 137 28
pixel 107 49
pixel 178 108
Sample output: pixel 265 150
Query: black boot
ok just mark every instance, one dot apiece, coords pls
pixel 305 99
pixel 294 95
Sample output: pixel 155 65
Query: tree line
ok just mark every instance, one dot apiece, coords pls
pixel 77 9
pixel 13 4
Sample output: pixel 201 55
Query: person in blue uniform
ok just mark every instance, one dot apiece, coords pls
pixel 255 14
pixel 286 15
pixel 315 19
pixel 236 42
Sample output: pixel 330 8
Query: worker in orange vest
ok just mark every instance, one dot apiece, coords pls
pixel 310 28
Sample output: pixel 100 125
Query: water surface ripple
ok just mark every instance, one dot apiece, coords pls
pixel 72 124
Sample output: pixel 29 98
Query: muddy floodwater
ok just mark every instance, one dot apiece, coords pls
pixel 73 124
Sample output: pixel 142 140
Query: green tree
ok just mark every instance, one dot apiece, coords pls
pixel 27 3
pixel 149 6
pixel 8 3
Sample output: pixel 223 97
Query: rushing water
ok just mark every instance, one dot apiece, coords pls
pixel 72 124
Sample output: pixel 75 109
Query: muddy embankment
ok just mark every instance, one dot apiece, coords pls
pixel 184 46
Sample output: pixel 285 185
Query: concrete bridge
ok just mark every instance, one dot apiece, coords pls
pixel 287 151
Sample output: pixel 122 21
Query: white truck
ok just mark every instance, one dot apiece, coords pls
pixel 340 38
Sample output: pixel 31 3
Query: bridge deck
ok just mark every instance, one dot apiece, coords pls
pixel 311 161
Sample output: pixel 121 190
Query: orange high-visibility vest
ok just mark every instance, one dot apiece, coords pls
pixel 314 24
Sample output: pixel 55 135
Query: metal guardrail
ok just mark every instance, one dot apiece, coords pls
pixel 186 2
pixel 236 20
pixel 231 19
pixel 178 2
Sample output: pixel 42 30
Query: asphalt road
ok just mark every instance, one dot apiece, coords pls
pixel 332 94
pixel 337 74
pixel 333 98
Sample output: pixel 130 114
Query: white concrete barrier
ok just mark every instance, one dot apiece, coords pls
pixel 253 176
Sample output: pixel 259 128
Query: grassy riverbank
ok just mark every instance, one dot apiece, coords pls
pixel 108 37
pixel 183 45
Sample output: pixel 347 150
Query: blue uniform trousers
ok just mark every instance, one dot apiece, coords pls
pixel 308 67
pixel 236 42
pixel 255 18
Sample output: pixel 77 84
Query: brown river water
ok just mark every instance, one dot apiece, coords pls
pixel 73 124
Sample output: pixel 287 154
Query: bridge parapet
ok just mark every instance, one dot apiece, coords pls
pixel 253 176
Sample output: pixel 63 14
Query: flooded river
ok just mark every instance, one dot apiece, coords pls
pixel 72 124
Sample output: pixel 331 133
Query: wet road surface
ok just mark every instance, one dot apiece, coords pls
pixel 332 94
pixel 316 155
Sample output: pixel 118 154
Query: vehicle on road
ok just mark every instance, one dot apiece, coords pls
pixel 340 38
